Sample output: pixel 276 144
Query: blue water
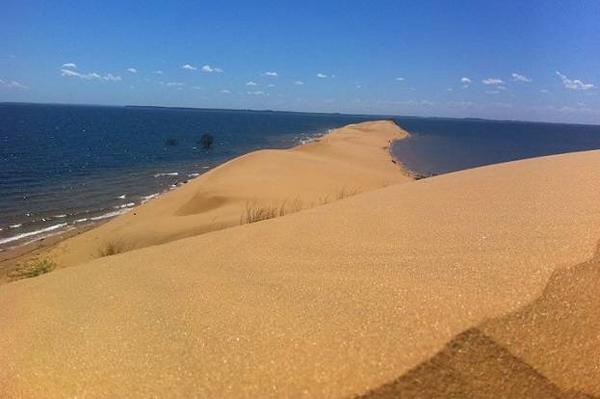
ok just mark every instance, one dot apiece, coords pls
pixel 62 166
pixel 447 145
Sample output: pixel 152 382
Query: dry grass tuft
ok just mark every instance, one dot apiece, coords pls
pixel 32 269
pixel 256 213
pixel 345 192
pixel 112 247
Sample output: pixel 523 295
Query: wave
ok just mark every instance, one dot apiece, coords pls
pixel 110 215
pixel 166 174
pixel 59 216
pixel 149 197
pixel 16 226
pixel 32 233
pixel 192 175
pixel 123 206
pixel 122 196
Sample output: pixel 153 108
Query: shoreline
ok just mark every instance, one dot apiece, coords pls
pixel 68 221
pixel 28 252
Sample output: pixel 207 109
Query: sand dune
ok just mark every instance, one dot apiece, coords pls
pixel 334 301
pixel 345 162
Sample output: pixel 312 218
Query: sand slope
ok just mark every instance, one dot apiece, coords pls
pixel 333 301
pixel 548 349
pixel 345 162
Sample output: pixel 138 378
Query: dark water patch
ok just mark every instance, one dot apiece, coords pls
pixel 448 145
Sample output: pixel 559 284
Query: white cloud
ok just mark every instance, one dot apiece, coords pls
pixel 492 92
pixel 492 81
pixel 273 74
pixel 69 65
pixel 321 75
pixel 209 69
pixel 68 72
pixel 520 78
pixel 132 70
pixel 112 78
pixel 157 72
pixel 574 84
pixel 13 84
pixel 90 76
pixel 251 83
pixel 400 79
pixel 465 81
pixel 175 84
pixel 189 67
pixel 271 85
pixel 256 93
pixel 225 91
pixel 298 83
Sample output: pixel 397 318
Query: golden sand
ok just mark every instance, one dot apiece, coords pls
pixel 464 284
pixel 345 162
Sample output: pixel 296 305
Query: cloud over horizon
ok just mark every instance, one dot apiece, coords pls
pixel 69 65
pixel 251 83
pixel 89 76
pixel 520 78
pixel 321 75
pixel 132 70
pixel 189 67
pixel 575 84
pixel 209 69
pixel 13 84
pixel 492 81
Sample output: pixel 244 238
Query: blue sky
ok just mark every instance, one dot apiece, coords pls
pixel 526 60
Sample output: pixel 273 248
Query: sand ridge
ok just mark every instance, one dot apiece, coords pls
pixel 344 162
pixel 333 301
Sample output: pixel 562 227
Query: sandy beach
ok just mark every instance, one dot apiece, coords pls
pixel 482 283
